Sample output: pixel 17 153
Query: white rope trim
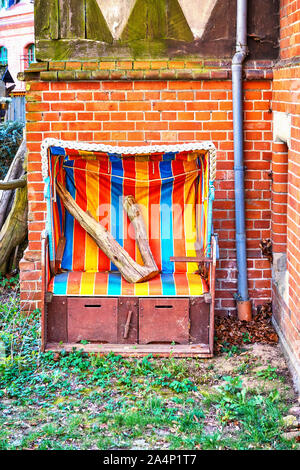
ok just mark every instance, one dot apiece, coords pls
pixel 142 150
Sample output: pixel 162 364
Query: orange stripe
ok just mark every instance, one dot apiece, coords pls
pixel 155 286
pixel 101 281
pixel 126 287
pixel 181 284
pixel 74 283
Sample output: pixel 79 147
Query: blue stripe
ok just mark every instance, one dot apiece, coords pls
pixel 200 187
pixel 114 284
pixel 166 227
pixel 116 201
pixel 211 197
pixel 49 216
pixel 60 284
pixel 57 151
pixel 168 284
pixel 169 156
pixel 67 261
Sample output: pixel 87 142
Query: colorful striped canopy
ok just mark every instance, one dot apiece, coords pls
pixel 172 190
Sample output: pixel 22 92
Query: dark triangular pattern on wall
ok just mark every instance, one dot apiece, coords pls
pixel 96 26
pixel 146 21
pixel 156 20
pixel 177 25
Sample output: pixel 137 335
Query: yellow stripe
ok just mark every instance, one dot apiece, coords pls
pixel 87 283
pixel 142 198
pixel 195 284
pixel 141 288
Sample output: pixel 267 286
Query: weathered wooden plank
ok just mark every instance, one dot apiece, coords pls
pixel 56 319
pixel 96 26
pixel 199 320
pixel 136 350
pixel 72 19
pixel 46 19
pixel 80 49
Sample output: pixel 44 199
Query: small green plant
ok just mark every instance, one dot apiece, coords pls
pixel 267 374
pixel 231 350
pixel 10 282
pixel 246 337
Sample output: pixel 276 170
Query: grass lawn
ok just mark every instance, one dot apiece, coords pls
pixel 74 401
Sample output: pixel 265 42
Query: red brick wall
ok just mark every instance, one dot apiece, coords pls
pixel 162 111
pixel 286 182
pixel 289 29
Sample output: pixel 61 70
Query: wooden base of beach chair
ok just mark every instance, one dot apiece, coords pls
pixel 129 326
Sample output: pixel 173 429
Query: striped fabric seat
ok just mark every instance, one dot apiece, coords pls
pixel 80 283
pixel 171 190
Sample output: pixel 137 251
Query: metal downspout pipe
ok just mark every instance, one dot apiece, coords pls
pixel 242 298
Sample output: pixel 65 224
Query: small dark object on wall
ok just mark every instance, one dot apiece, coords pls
pixel 263 311
pixel 203 271
pixel 266 249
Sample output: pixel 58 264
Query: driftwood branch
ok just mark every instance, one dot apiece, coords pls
pixel 14 173
pixel 130 269
pixel 20 183
pixel 14 229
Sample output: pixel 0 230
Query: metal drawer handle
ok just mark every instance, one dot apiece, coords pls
pixel 163 306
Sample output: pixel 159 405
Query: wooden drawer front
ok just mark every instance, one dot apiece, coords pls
pixel 92 319
pixel 164 320
pixel 199 318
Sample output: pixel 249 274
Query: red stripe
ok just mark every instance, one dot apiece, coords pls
pixel 104 207
pixel 79 236
pixel 178 215
pixel 129 190
pixel 154 211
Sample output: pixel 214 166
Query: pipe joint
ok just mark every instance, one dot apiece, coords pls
pixel 239 56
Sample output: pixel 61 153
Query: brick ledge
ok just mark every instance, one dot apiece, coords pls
pixel 151 70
